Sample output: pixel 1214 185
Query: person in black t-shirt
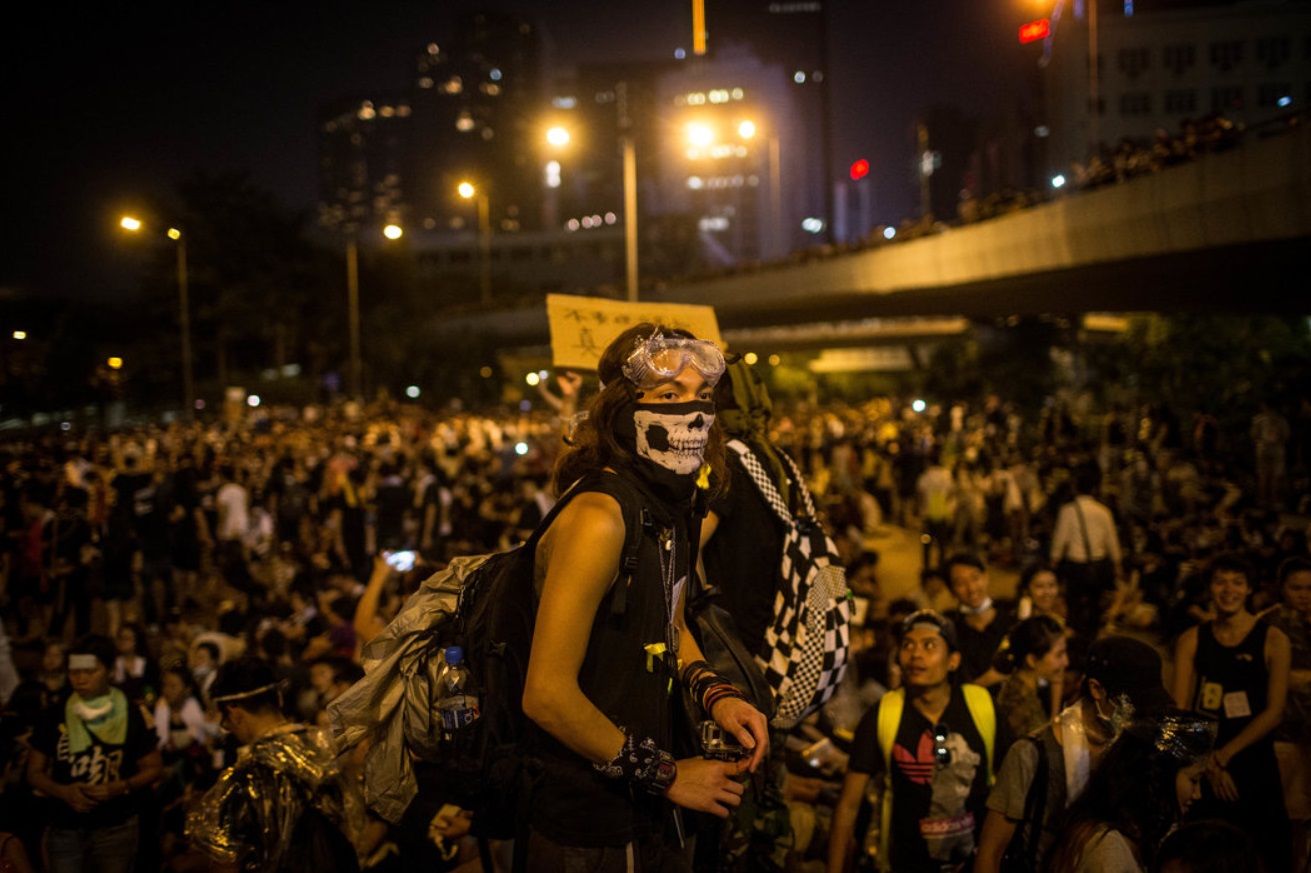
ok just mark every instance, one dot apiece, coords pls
pixel 937 765
pixel 96 757
pixel 981 624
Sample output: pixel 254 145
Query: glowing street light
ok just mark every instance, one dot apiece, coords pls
pixel 133 224
pixel 115 363
pixel 699 135
pixel 558 137
pixel 393 231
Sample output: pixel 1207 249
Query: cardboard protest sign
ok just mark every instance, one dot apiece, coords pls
pixel 581 327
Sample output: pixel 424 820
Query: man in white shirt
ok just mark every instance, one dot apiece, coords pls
pixel 1086 551
pixel 233 504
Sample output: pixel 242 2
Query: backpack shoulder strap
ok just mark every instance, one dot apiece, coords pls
pixel 1035 804
pixel 891 707
pixel 979 702
pixel 764 485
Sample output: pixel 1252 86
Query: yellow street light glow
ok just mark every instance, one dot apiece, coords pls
pixel 557 136
pixel 774 360
pixel 700 134
pixel 532 379
pixel 466 190
pixel 115 363
pixel 20 334
pixel 746 129
pixel 130 223
pixel 750 358
pixel 174 233
pixel 393 231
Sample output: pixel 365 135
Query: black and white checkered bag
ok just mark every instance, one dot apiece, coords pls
pixel 807 646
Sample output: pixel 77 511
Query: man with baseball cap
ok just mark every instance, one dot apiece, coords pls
pixel 930 743
pixel 1043 773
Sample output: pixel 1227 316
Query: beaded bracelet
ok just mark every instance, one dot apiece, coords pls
pixel 707 686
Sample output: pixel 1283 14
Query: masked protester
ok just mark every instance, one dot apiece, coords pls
pixel 1146 784
pixel 1043 773
pixel 600 681
pixel 96 757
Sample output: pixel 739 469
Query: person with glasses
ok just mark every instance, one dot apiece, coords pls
pixel 930 745
pixel 600 684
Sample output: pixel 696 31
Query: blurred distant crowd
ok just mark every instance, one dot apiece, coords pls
pixel 193 544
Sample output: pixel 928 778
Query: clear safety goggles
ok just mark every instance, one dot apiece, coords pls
pixel 662 357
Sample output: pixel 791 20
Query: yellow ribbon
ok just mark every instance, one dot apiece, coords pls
pixel 653 651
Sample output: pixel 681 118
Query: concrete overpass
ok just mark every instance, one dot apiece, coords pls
pixel 1230 231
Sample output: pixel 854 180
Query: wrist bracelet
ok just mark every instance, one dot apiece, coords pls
pixel 641 762
pixel 707 686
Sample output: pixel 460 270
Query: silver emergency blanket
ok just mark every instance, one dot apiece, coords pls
pixel 372 708
pixel 250 814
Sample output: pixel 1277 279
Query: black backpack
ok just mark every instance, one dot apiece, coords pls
pixel 481 767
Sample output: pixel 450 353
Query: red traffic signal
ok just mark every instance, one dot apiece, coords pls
pixel 860 169
pixel 1035 30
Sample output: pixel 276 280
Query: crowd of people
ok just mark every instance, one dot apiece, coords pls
pixel 173 594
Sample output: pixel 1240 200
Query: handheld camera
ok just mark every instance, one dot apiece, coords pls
pixel 718 745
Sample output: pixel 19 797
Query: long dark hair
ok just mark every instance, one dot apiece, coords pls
pixel 1133 789
pixel 595 445
pixel 1035 636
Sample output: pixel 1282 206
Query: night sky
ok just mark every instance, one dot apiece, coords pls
pixel 106 105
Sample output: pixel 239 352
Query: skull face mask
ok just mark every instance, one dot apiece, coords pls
pixel 674 435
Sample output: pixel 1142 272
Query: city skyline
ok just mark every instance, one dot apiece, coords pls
pixel 118 105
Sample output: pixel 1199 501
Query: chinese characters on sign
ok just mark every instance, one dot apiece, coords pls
pixel 581 327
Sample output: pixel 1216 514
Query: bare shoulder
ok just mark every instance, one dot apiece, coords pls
pixel 592 522
pixel 1276 640
pixel 596 513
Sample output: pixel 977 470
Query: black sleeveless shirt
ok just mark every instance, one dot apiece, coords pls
pixel 571 803
pixel 1232 681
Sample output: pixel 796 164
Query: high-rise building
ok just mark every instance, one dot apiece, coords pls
pixel 477 101
pixel 1164 62
pixel 362 154
pixel 732 155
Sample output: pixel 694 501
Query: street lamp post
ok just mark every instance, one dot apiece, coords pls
pixel 559 137
pixel 630 216
pixel 1094 80
pixel 127 222
pixel 747 130
pixel 353 313
pixel 356 386
pixel 468 191
pixel 184 324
